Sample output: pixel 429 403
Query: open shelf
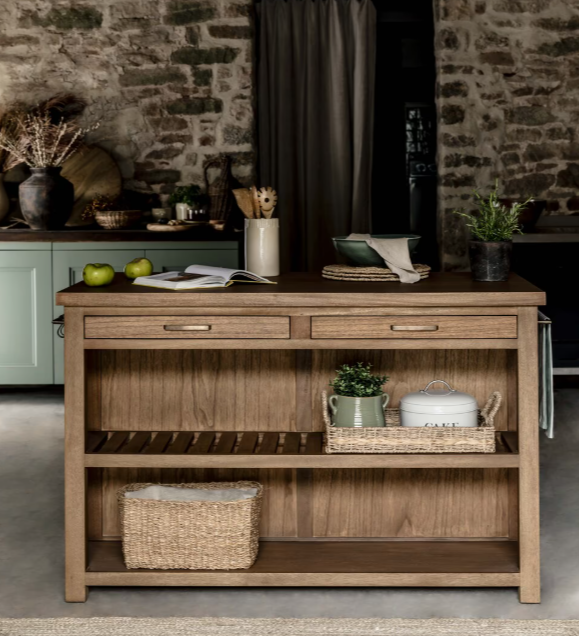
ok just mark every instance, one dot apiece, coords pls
pixel 266 450
pixel 333 562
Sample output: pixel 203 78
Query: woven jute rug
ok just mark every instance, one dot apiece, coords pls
pixel 281 627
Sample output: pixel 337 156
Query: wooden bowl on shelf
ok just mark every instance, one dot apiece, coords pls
pixel 117 219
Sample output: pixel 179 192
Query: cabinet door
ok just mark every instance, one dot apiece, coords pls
pixel 67 270
pixel 178 260
pixel 25 316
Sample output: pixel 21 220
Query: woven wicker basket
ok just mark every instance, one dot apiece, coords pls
pixel 117 219
pixel 190 535
pixel 394 438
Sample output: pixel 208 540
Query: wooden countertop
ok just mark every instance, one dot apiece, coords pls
pixel 95 235
pixel 311 290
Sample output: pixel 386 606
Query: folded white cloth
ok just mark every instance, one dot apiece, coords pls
pixel 157 492
pixel 395 253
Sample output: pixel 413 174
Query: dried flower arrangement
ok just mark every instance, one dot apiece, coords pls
pixel 101 203
pixel 43 136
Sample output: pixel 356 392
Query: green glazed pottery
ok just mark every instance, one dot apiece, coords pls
pixel 354 412
pixel 358 252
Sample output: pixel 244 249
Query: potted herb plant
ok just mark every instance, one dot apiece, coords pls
pixel 358 400
pixel 43 138
pixel 186 197
pixel 492 227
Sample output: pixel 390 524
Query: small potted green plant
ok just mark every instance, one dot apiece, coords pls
pixel 358 400
pixel 492 227
pixel 186 197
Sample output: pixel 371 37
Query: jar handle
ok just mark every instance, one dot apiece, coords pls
pixel 450 390
pixel 385 400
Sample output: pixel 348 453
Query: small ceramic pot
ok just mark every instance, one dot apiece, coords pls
pixel 161 213
pixel 181 211
pixel 354 412
pixel 490 261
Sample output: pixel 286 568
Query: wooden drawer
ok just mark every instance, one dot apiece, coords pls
pixel 196 327
pixel 428 326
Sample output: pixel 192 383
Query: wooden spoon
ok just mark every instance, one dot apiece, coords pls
pixel 255 202
pixel 244 201
pixel 267 201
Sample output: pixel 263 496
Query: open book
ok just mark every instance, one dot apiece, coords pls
pixel 200 277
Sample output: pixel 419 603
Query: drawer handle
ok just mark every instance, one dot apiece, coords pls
pixel 187 327
pixel 414 327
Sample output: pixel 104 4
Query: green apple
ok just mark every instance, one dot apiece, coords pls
pixel 138 267
pixel 98 274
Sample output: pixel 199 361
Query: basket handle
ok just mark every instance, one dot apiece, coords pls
pixel 325 413
pixel 490 409
pixel 450 390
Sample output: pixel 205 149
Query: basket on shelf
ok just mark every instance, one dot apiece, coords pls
pixel 394 438
pixel 117 219
pixel 218 531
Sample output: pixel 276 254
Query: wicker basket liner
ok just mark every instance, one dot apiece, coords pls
pixel 190 535
pixel 394 438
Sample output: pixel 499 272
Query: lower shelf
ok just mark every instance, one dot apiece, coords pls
pixel 333 563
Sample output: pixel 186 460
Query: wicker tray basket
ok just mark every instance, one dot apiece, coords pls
pixel 394 438
pixel 190 535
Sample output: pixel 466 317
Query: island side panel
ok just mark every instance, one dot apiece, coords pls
pixel 74 470
pixel 528 393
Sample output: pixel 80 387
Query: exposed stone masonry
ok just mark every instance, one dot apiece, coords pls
pixel 172 80
pixel 508 97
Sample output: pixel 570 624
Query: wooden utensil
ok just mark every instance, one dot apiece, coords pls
pixel 255 202
pixel 267 201
pixel 244 201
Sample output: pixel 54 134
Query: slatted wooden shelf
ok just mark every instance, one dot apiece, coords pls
pixel 327 562
pixel 268 450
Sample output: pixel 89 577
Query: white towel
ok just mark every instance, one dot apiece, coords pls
pixel 395 253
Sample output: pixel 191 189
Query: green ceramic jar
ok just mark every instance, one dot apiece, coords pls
pixel 355 412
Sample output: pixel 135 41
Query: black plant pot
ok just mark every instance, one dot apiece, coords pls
pixel 490 262
pixel 46 199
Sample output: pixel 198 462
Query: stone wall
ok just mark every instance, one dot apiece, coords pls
pixel 171 80
pixel 508 100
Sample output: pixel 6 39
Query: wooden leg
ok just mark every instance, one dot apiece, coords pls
pixel 74 470
pixel 528 399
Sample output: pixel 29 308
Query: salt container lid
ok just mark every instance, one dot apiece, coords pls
pixel 448 397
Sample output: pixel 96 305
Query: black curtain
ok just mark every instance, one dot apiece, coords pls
pixel 315 121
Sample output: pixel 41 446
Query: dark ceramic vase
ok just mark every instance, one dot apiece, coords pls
pixel 46 199
pixel 490 261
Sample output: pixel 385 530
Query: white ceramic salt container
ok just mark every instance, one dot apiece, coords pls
pixel 444 408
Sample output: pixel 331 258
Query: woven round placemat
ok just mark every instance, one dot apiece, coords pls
pixel 369 274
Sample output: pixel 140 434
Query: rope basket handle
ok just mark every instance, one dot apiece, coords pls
pixel 325 410
pixel 490 409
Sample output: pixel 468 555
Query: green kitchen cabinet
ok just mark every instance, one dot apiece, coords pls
pixel 69 260
pixel 25 313
pixel 31 352
pixel 67 266
pixel 177 260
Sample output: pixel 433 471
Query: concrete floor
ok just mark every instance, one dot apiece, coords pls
pixel 31 542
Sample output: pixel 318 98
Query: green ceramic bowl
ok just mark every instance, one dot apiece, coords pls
pixel 359 253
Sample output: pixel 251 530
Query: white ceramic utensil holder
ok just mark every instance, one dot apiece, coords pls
pixel 262 246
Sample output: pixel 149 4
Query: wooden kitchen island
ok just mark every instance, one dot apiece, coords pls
pixel 220 385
